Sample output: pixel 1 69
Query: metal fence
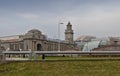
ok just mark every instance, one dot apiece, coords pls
pixel 32 55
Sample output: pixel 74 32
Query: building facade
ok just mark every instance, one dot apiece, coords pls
pixel 34 40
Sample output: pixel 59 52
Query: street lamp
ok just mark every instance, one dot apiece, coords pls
pixel 59 35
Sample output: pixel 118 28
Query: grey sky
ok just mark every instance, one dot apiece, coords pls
pixel 99 18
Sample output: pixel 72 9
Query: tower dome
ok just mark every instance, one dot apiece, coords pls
pixel 34 31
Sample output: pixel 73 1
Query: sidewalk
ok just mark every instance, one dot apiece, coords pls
pixel 16 59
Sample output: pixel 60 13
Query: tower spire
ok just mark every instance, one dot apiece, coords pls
pixel 69 23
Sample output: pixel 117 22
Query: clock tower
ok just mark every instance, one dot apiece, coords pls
pixel 69 33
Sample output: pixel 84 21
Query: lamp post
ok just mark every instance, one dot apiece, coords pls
pixel 59 35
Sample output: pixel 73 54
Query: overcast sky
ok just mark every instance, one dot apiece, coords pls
pixel 100 18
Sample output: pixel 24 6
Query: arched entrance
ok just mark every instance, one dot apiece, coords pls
pixel 39 47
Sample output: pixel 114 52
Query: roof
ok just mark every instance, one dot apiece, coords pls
pixel 12 40
pixel 85 38
pixel 10 37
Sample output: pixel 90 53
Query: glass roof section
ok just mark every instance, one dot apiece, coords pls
pixel 91 45
pixel 95 43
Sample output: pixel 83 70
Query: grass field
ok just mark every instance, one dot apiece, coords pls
pixel 61 68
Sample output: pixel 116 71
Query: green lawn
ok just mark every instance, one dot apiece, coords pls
pixel 61 68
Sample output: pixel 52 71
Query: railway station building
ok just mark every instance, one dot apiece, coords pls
pixel 36 41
